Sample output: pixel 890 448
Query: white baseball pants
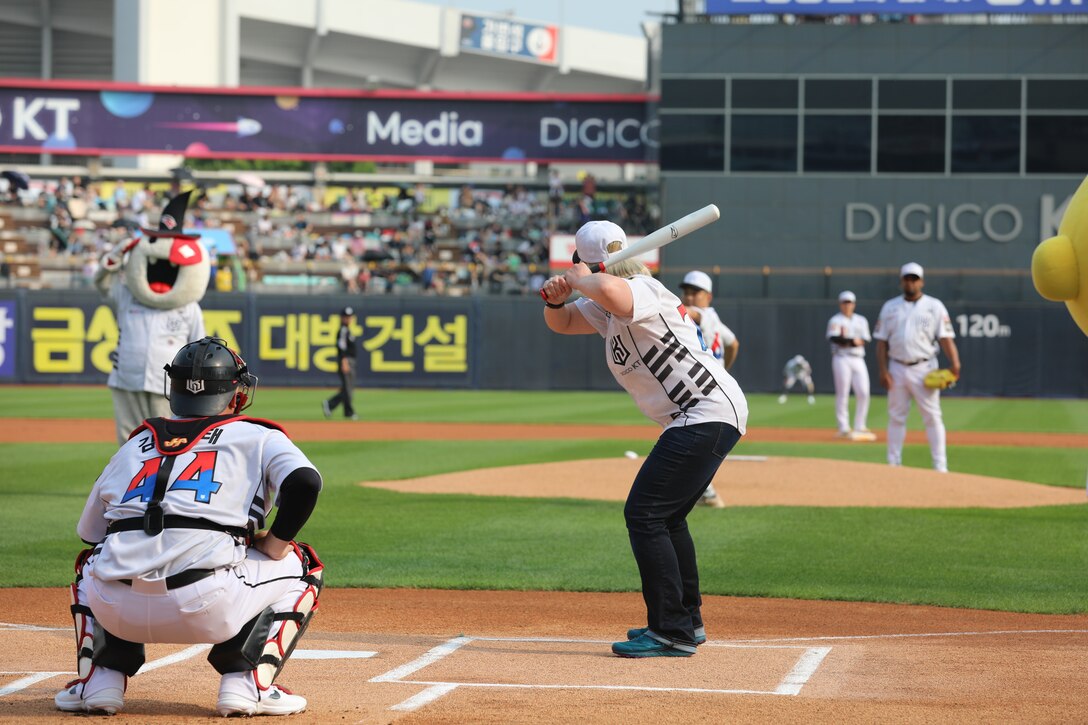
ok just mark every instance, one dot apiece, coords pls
pixel 907 383
pixel 208 611
pixel 850 373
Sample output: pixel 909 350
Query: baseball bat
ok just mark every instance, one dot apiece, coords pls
pixel 659 238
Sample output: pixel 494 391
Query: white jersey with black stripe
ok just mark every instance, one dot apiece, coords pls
pixel 660 359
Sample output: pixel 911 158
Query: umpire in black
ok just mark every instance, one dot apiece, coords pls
pixel 345 355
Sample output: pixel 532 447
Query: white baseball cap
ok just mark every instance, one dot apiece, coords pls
pixel 698 280
pixel 911 268
pixel 847 296
pixel 592 240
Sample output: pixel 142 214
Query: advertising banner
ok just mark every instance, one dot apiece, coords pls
pixel 8 336
pixel 895 7
pixel 73 338
pixel 509 38
pixel 73 117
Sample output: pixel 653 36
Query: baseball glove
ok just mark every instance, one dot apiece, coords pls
pixel 941 379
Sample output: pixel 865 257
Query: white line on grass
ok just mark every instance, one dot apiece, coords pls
pixel 24 682
pixel 427 658
pixel 806 666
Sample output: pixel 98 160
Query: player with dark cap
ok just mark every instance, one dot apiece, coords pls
pixel 345 368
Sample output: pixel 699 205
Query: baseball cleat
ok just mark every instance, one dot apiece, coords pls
pixel 781 398
pixel 277 701
pixel 844 434
pixel 700 634
pixel 714 502
pixel 646 646
pixel 863 435
pixel 812 400
pixel 108 700
pixel 326 409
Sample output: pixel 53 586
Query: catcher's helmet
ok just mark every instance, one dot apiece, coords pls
pixel 205 377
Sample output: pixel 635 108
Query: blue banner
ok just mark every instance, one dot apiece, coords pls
pixel 510 38
pixel 895 7
pixel 8 336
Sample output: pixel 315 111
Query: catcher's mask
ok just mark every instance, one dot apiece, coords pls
pixel 205 377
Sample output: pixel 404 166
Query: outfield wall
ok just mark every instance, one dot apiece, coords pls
pixel 1022 350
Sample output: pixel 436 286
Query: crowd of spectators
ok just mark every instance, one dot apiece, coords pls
pixel 368 240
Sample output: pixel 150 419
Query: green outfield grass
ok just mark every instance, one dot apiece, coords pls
pixel 1010 559
pixel 606 408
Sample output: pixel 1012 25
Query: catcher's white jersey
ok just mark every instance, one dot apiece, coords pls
pixel 851 327
pixel 149 339
pixel 912 329
pixel 233 474
pixel 659 358
pixel 715 333
pixel 797 368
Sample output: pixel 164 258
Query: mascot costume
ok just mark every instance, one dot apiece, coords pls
pixel 153 284
pixel 1059 266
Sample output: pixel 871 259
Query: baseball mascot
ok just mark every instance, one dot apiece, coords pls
pixel 153 283
pixel 1059 266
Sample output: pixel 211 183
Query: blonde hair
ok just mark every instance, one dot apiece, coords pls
pixel 627 268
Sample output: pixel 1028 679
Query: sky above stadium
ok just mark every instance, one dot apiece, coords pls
pixel 616 16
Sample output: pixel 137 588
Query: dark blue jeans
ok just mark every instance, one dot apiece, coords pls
pixel 667 487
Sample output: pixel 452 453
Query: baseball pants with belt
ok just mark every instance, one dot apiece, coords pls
pixel 850 372
pixel 907 383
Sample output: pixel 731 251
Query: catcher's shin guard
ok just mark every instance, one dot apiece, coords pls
pixel 266 642
pixel 94 645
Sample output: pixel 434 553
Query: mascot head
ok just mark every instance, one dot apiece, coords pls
pixel 1059 266
pixel 166 268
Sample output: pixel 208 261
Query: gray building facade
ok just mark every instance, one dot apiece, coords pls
pixel 836 153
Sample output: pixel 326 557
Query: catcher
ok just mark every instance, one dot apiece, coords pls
pixel 909 332
pixel 169 521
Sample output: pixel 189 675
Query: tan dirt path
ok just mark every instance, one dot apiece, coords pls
pixel 885 663
pixel 100 430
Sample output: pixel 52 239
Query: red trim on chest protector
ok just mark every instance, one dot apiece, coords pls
pixel 196 432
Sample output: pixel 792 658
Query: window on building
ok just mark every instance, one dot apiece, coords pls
pixel 764 142
pixel 985 144
pixel 912 95
pixel 910 144
pixel 693 93
pixel 1057 145
pixel 771 93
pixel 838 143
pixel 834 95
pixel 692 143
pixel 1057 95
pixel 985 95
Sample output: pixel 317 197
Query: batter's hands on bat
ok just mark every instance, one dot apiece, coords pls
pixel 556 290
pixel 576 273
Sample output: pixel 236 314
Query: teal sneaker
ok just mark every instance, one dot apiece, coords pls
pixel 700 634
pixel 647 646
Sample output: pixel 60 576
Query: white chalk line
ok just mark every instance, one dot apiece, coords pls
pixel 805 668
pixel 174 658
pixel 898 636
pixel 437 689
pixel 24 682
pixel 32 628
pixel 425 697
pixel 332 654
pixel 641 688
pixel 564 640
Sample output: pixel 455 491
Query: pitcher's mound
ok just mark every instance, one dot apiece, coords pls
pixel 774 482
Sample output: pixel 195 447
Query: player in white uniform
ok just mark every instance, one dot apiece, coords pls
pixel 169 520
pixel 696 292
pixel 908 333
pixel 655 352
pixel 797 370
pixel 848 333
